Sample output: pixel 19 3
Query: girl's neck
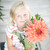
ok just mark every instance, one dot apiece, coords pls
pixel 20 28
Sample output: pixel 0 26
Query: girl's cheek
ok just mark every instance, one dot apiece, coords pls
pixel 17 18
pixel 27 18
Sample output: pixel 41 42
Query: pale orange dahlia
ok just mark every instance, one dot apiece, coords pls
pixel 36 31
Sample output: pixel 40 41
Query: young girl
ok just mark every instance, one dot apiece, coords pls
pixel 19 15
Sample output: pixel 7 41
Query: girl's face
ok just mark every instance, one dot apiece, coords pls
pixel 22 16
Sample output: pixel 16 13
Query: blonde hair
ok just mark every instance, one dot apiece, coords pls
pixel 16 6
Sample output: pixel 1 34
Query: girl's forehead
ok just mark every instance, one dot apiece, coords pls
pixel 21 11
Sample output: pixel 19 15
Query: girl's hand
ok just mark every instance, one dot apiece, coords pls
pixel 31 48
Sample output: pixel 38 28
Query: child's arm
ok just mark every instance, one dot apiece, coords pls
pixel 9 44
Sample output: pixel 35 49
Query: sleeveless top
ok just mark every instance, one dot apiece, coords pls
pixel 16 41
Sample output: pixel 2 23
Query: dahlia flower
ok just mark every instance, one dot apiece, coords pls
pixel 36 31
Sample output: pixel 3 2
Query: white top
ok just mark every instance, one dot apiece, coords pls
pixel 16 41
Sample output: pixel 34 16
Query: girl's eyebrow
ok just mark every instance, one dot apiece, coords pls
pixel 25 14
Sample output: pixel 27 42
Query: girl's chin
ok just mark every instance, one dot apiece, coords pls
pixel 22 25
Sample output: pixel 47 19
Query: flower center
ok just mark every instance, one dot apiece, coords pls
pixel 39 32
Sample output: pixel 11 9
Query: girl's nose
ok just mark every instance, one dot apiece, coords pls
pixel 22 18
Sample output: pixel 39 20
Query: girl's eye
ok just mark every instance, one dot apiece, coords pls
pixel 18 16
pixel 25 14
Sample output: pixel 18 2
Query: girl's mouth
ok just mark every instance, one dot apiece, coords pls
pixel 22 21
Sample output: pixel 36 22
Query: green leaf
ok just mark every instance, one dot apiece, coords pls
pixel 18 34
pixel 26 24
pixel 14 32
pixel 1 18
pixel 41 19
pixel 1 14
pixel 38 17
pixel 27 44
pixel 34 45
pixel 1 7
pixel 32 19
